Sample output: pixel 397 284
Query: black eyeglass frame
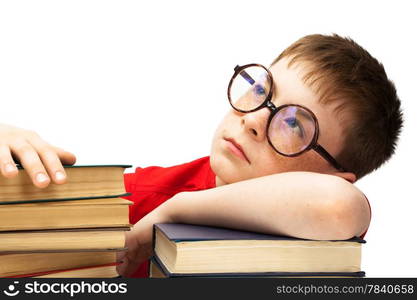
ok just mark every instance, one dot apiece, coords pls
pixel 314 145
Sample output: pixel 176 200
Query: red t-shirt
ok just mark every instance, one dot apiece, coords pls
pixel 151 186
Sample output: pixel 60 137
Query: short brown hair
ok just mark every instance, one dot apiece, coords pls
pixel 341 70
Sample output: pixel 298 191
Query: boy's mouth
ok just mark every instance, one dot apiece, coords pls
pixel 236 149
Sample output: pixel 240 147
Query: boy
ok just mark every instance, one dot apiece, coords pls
pixel 282 161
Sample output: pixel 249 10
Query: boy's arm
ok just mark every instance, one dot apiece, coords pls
pixel 300 204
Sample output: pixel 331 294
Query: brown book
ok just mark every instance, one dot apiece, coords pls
pixel 60 240
pixel 83 182
pixel 20 265
pixel 101 271
pixel 104 212
pixel 191 250
pixel 155 270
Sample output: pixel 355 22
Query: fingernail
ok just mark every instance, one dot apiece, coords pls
pixel 41 178
pixel 10 167
pixel 59 175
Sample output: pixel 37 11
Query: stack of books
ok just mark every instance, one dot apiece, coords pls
pixel 68 230
pixel 182 250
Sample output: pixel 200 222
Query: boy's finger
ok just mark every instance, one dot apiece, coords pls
pixel 126 268
pixel 7 165
pixel 67 158
pixel 31 162
pixel 50 160
pixel 120 268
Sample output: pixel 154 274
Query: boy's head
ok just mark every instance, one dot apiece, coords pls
pixel 356 106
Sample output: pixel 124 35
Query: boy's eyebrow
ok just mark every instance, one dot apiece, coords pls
pixel 304 114
pixel 300 111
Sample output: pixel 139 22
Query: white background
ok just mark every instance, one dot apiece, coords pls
pixel 145 84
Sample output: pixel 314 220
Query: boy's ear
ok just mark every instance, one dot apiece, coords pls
pixel 347 176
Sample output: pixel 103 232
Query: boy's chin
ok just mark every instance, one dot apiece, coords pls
pixel 227 170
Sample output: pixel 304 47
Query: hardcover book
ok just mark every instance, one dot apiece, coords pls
pixel 83 182
pixel 92 213
pixel 26 264
pixel 68 230
pixel 63 240
pixel 191 250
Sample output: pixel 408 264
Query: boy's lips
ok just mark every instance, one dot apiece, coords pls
pixel 236 149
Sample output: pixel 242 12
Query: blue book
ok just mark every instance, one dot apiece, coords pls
pixel 184 250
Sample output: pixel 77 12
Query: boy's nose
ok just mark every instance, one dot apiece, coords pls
pixel 255 123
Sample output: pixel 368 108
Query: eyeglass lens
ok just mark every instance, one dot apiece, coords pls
pixel 292 128
pixel 250 88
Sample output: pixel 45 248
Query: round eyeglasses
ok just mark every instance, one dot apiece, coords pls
pixel 292 129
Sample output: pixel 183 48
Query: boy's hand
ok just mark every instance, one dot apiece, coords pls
pixel 139 249
pixel 139 240
pixel 40 160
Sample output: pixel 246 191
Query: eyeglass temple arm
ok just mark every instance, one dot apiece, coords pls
pixel 320 150
pixel 245 75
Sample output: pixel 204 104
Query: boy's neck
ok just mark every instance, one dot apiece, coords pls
pixel 219 181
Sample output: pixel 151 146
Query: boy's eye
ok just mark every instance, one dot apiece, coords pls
pixel 295 126
pixel 259 90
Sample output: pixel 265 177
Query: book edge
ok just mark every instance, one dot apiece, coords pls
pixel 63 251
pixel 19 166
pixel 160 265
pixel 256 235
pixel 64 199
pixel 94 229
pixel 62 270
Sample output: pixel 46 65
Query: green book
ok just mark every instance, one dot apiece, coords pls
pixel 83 182
pixel 88 213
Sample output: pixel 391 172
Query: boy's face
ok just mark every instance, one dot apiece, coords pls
pixel 256 157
